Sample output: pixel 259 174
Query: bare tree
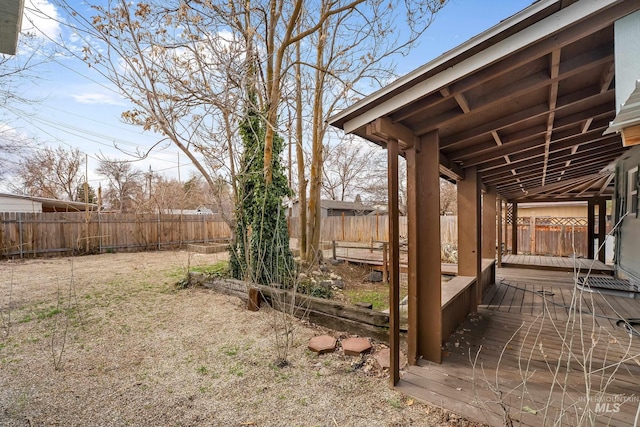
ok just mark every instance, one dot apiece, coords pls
pixel 347 168
pixel 125 189
pixel 354 52
pixel 51 172
pixel 15 71
pixel 180 67
pixel 190 82
pixel 448 198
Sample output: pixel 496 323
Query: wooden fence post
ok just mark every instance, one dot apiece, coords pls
pixel 532 234
pixel 333 248
pixel 254 299
pixel 343 239
pixel 20 227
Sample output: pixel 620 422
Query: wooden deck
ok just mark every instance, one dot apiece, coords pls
pixel 501 363
pixel 375 257
pixel 555 263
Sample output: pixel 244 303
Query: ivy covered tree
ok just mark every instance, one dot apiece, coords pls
pixel 260 252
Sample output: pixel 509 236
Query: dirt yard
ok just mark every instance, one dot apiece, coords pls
pixel 107 340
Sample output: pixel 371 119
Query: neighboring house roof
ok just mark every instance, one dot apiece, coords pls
pixel 344 206
pixel 524 104
pixel 54 205
pixel 629 114
pixel 341 205
pixel 10 24
pixel 201 210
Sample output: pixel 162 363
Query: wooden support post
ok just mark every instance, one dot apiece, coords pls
pixel 532 235
pixel 425 288
pixel 394 255
pixel 591 207
pixel 514 228
pixel 377 226
pixel 500 234
pixel 343 239
pixel 489 224
pixel 470 231
pixel 333 249
pixel 602 230
pixel 385 262
pixel 371 245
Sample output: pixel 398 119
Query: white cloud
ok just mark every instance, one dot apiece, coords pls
pixel 97 98
pixel 42 19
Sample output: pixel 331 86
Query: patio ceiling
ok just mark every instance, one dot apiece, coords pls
pixel 526 103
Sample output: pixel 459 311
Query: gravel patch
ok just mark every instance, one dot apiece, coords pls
pixel 107 340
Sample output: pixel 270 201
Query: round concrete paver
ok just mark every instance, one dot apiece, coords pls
pixel 322 344
pixel 355 346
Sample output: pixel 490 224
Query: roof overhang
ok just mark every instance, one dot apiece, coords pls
pixel 627 121
pixel 525 102
pixel 54 205
pixel 10 24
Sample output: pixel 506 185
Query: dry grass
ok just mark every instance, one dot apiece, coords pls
pixel 138 352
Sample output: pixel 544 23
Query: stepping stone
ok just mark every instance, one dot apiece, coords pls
pixel 322 344
pixel 355 346
pixel 383 357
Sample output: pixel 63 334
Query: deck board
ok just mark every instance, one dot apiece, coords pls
pixel 556 263
pixel 517 332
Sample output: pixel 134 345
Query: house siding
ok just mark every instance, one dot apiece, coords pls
pixel 13 204
pixel 628 235
pixel 554 211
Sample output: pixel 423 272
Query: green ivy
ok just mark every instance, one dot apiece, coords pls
pixel 260 252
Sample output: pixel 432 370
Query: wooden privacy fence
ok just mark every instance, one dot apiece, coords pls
pixel 551 236
pixel 33 234
pixel 372 227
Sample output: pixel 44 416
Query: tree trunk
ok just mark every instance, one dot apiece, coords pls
pixel 302 181
pixel 314 222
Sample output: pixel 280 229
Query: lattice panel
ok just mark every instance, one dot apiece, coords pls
pixel 562 221
pixel 509 214
pixel 523 220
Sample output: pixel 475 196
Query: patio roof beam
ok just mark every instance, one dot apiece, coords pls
pixel 528 169
pixel 587 106
pixel 587 61
pixel 553 100
pixel 529 157
pixel 524 139
pixel 491 164
pixel 383 128
pixel 526 150
pixel 555 177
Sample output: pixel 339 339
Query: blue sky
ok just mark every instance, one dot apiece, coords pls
pixel 77 108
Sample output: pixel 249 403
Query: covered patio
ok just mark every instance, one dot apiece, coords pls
pixel 516 114
pixel 501 366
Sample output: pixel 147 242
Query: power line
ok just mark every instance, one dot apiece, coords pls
pixel 75 131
